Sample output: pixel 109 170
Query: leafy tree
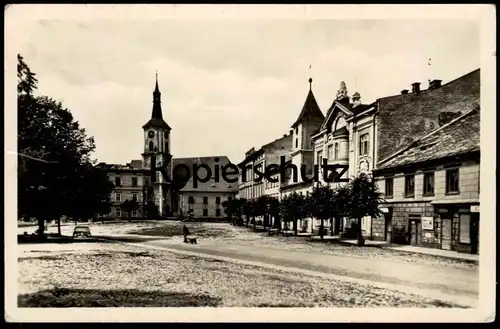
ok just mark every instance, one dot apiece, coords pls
pixel 294 208
pixel 54 156
pixel 320 205
pixel 129 206
pixel 245 210
pixel 252 210
pixel 365 199
pixel 233 210
pixel 274 212
pixel 341 201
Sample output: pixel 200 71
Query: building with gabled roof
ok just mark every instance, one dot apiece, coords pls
pixel 432 187
pixel 165 192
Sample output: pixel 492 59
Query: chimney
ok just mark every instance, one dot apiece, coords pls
pixel 284 135
pixel 356 99
pixel 404 91
pixel 291 132
pixel 434 84
pixel 415 87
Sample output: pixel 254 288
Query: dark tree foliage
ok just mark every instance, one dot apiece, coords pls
pixel 56 174
pixel 364 200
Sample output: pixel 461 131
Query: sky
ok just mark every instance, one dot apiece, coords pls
pixel 230 85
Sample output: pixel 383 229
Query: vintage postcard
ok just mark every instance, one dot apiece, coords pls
pixel 228 163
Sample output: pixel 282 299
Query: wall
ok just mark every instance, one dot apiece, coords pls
pixel 126 191
pixel 211 205
pixel 429 206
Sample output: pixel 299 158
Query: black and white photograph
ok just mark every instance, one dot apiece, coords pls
pixel 257 163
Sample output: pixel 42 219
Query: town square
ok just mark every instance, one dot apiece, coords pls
pixel 253 163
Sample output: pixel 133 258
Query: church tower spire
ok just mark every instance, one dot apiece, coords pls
pixel 157 113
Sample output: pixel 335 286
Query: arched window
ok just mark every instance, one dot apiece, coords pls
pixel 166 147
pixel 151 146
pixel 339 123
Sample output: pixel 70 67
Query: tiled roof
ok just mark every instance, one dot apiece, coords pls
pixel 211 185
pixel 272 150
pixel 405 118
pixel 156 123
pixel 136 164
pixel 460 136
pixel 310 110
pixel 117 167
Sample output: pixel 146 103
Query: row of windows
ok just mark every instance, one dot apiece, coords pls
pixel 120 213
pixel 118 197
pixel 333 151
pixel 252 192
pixel 217 212
pixel 191 199
pixel 452 184
pixel 135 181
pixel 153 148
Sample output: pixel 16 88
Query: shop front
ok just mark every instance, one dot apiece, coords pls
pixel 459 229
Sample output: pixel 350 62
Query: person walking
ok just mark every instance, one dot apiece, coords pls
pixel 185 232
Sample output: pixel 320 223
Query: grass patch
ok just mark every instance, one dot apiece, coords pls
pixel 174 229
pixel 64 297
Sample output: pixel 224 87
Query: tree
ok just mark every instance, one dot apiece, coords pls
pixel 341 200
pixel 245 210
pixel 263 206
pixel 54 156
pixel 274 212
pixel 129 206
pixel 320 205
pixel 365 199
pixel 294 208
pixel 252 211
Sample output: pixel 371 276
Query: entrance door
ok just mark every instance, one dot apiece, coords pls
pixel 413 232
pixel 474 233
pixel 388 227
pixel 446 234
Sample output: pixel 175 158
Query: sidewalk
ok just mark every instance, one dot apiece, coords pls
pixel 436 252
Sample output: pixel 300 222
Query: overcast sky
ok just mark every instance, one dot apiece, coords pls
pixel 229 85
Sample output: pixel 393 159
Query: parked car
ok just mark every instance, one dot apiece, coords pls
pixel 81 232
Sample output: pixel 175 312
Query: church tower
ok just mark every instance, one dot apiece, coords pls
pixel 157 151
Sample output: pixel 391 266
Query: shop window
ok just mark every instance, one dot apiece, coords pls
pixel 464 233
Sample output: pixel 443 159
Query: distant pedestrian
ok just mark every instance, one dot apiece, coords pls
pixel 321 231
pixel 185 232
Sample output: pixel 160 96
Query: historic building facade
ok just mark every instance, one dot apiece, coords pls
pixel 203 199
pixel 346 137
pixel 432 189
pixel 167 192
